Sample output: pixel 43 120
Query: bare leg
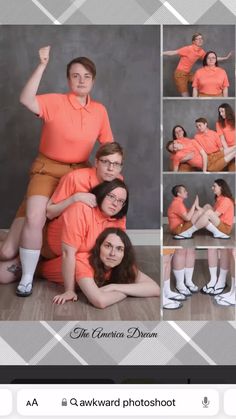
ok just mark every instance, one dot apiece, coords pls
pixel 10 271
pixel 185 94
pixel 10 246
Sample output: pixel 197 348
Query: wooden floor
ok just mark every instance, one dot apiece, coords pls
pixel 39 305
pixel 201 238
pixel 200 306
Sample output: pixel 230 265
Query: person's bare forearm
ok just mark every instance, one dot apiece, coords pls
pixel 30 90
pixel 68 270
pixel 54 210
pixel 142 289
pixel 225 92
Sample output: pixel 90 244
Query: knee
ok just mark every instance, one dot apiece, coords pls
pixel 35 219
pixel 206 207
pixel 7 252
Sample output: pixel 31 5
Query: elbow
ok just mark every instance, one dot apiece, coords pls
pixel 49 214
pixel 98 302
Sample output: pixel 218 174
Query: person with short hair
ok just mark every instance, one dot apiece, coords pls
pixel 179 216
pixel 217 219
pixel 72 123
pixel 186 151
pixel 75 186
pixel 210 80
pixel 189 55
pixel 209 140
pixel 108 273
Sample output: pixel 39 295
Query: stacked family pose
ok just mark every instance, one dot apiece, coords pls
pixel 211 80
pixel 210 150
pixel 182 261
pixel 86 202
pixel 218 220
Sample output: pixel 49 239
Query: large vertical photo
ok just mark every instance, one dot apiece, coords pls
pixel 80 168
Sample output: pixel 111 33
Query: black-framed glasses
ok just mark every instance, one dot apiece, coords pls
pixel 108 163
pixel 113 198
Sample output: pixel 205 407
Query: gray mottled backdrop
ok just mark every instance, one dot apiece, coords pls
pixel 184 113
pixel 179 343
pixel 128 63
pixel 176 36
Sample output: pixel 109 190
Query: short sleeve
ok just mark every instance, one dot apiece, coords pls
pixel 48 105
pixel 225 80
pixel 83 268
pixel 105 134
pixel 223 206
pixel 74 225
pixel 182 51
pixel 65 188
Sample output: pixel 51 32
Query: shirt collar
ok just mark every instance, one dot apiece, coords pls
pixel 76 104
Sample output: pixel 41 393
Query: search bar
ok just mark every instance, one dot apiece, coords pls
pixel 5 402
pixel 136 401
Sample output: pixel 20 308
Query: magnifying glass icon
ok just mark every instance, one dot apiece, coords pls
pixel 74 402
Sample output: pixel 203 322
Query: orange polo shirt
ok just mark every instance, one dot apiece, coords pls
pixel 225 207
pixel 209 141
pixel 175 213
pixel 189 55
pixel 190 146
pixel 84 269
pixel 80 180
pixel 79 226
pixel 228 132
pixel 210 81
pixel 70 130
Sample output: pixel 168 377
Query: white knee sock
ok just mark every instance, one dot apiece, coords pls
pixel 29 259
pixel 222 278
pixel 167 292
pixel 188 272
pixel 179 276
pixel 213 229
pixel 213 276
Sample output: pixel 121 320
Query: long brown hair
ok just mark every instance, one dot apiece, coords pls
pixel 225 189
pixel 125 272
pixel 229 115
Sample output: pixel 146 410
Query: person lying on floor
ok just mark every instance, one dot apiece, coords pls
pixel 106 275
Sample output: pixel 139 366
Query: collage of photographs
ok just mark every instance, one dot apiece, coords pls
pixel 199 149
pixel 106 215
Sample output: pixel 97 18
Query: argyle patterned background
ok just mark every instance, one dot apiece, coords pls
pixel 178 343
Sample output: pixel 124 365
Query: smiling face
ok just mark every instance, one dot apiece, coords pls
pixel 114 201
pixel 112 251
pixel 108 167
pixel 216 189
pixel 211 59
pixel 80 80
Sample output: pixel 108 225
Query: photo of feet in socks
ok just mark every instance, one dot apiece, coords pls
pixel 198 210
pixel 199 284
pixel 200 137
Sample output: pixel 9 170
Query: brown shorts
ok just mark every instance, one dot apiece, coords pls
pixel 44 177
pixel 224 228
pixel 209 95
pixel 185 167
pixel 231 166
pixel 166 252
pixel 216 162
pixel 181 80
pixel 182 227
